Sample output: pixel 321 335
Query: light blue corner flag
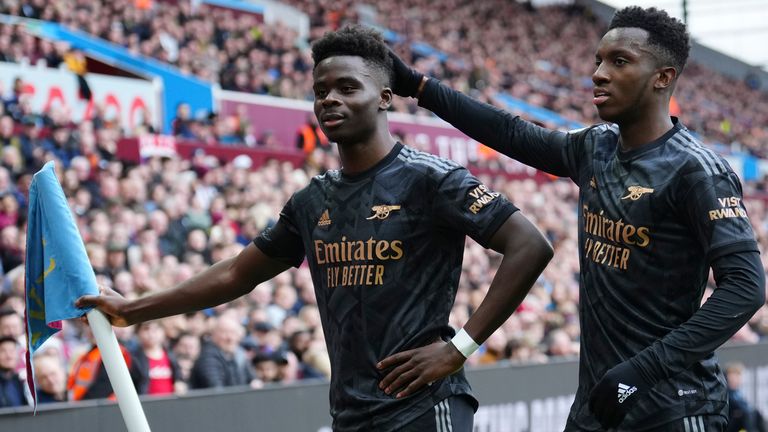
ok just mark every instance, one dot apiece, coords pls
pixel 57 268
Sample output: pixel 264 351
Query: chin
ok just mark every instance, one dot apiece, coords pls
pixel 344 137
pixel 336 136
pixel 608 115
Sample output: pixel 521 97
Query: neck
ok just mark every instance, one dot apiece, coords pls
pixel 359 156
pixel 645 130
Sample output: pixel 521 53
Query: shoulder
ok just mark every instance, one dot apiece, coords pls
pixel 694 160
pixel 426 164
pixel 209 349
pixel 318 184
pixel 602 130
pixel 600 139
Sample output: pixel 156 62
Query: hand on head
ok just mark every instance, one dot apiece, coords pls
pixel 406 80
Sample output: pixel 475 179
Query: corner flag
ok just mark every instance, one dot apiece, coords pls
pixel 57 267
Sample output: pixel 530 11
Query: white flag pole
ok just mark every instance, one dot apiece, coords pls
pixel 117 371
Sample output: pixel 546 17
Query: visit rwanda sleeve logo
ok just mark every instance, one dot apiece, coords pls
pixel 729 207
pixel 481 196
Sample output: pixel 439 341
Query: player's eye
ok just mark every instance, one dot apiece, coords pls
pixel 597 62
pixel 320 93
pixel 347 89
pixel 620 61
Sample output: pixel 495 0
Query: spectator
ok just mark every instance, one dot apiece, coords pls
pixel 186 349
pixel 299 344
pixel 267 366
pixel 560 344
pixel 182 124
pixel 51 379
pixel 310 137
pixel 12 386
pixel 742 416
pixel 222 362
pixel 12 325
pixel 494 348
pixel 156 367
pixel 88 378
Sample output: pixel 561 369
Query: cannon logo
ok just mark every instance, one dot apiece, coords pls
pixel 636 192
pixel 382 211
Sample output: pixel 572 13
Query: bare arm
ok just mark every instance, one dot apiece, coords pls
pixel 222 282
pixel 526 253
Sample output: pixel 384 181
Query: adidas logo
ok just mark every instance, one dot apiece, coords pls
pixel 325 219
pixel 625 391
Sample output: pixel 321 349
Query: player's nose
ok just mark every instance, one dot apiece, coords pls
pixel 332 98
pixel 600 76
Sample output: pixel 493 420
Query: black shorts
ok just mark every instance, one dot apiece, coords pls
pixel 454 414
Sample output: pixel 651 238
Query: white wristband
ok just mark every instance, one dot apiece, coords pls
pixel 464 343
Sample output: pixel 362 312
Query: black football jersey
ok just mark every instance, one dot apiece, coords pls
pixel 385 249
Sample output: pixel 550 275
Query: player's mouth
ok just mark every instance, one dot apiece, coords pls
pixel 332 120
pixel 600 96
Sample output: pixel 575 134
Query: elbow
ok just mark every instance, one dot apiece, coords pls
pixel 755 299
pixel 550 252
pixel 758 300
pixel 542 251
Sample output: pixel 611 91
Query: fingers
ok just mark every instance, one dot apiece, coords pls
pixel 394 359
pixel 88 300
pixel 392 376
pixel 413 387
pixel 402 376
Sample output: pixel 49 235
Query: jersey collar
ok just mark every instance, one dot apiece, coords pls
pixel 628 155
pixel 379 165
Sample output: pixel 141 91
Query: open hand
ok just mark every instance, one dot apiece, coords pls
pixel 109 302
pixel 411 370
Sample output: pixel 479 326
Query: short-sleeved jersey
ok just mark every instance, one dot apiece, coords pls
pixel 385 250
pixel 651 221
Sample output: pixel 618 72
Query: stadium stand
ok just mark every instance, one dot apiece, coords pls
pixel 148 226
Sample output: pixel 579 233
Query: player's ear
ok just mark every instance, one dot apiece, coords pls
pixel 666 77
pixel 385 98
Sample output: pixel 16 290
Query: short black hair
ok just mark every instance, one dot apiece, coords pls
pixel 356 40
pixel 666 35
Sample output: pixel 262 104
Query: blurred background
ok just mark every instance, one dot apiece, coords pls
pixel 180 128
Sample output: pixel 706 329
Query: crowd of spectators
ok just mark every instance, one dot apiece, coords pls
pixel 150 226
pixel 543 56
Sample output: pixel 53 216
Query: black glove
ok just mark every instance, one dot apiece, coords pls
pixel 616 393
pixel 406 80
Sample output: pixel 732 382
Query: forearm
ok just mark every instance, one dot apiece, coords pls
pixel 739 294
pixel 496 128
pixel 522 264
